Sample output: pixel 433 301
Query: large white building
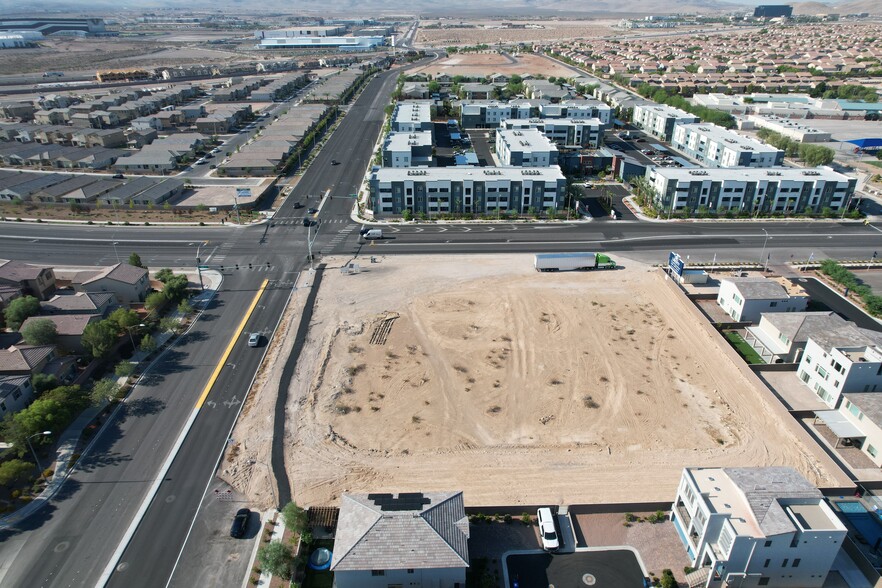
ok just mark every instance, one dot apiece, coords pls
pixel 564 132
pixel 466 190
pixel 579 109
pixel 747 299
pixel 659 119
pixel 713 146
pixel 344 43
pixel 762 526
pixel 408 149
pixel 525 148
pixel 781 337
pixel 848 359
pixel 797 130
pixel 312 31
pixel 411 116
pixel 753 190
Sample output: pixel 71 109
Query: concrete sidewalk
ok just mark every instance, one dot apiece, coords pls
pixel 70 438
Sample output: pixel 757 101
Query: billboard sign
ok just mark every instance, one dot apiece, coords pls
pixel 676 264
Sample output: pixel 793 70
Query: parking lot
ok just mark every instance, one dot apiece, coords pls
pixel 613 568
pixel 594 196
pixel 646 149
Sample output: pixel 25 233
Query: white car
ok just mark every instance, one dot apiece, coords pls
pixel 547 529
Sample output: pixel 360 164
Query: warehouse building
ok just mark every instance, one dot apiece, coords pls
pixel 344 43
pixel 659 120
pixel 457 190
pixel 525 148
pixel 55 26
pixel 766 191
pixel 714 146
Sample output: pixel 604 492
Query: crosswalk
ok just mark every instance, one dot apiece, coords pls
pixel 298 220
pixel 222 251
pixel 338 239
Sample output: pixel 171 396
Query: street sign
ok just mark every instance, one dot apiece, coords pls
pixel 676 264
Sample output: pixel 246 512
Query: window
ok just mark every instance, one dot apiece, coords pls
pixel 766 564
pixel 872 451
pixel 378 572
pixel 16 394
pixel 409 191
pixel 410 570
pixel 763 582
pixel 768 544
pixel 773 304
pixel 796 562
pixel 784 563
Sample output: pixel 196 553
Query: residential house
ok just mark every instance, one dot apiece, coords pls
pixel 98 303
pixel 766 525
pixel 746 299
pixel 16 393
pixel 68 327
pixel 858 421
pixel 25 360
pixel 410 539
pixel 781 337
pixel 31 280
pixel 129 284
pixel 848 359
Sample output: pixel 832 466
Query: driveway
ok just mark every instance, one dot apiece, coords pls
pixel 615 568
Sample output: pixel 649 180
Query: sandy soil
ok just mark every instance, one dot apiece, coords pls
pixel 489 32
pixel 484 64
pixel 516 387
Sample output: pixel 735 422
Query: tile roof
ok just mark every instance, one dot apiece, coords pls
pixel 763 489
pixel 80 301
pixel 20 358
pixel 9 384
pixel 121 272
pixel 16 271
pixel 65 324
pixel 386 532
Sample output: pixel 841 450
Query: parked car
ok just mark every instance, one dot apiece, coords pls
pixel 547 529
pixel 254 340
pixel 118 177
pixel 240 523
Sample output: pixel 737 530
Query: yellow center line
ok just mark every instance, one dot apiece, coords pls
pixel 223 360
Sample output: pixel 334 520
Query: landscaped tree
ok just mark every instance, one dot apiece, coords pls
pixel 148 343
pixel 99 338
pixel 39 332
pixel 14 470
pixel 154 301
pixel 175 288
pixel 294 517
pixel 104 389
pixel 169 323
pixel 164 274
pixel 43 382
pixel 123 318
pixel 135 260
pixel 19 310
pixel 276 558
pixel 51 412
pixel 124 369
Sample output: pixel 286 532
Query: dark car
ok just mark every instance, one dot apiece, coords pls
pixel 311 210
pixel 118 177
pixel 240 523
pixel 298 205
pixel 209 156
pixel 335 162
pixel 308 222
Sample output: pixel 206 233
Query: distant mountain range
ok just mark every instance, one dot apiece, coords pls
pixel 468 8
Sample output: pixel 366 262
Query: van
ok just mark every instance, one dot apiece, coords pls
pixel 373 234
pixel 547 529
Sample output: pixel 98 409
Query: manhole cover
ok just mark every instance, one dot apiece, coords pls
pixel 170 498
pixel 589 580
pixel 61 547
pixel 122 567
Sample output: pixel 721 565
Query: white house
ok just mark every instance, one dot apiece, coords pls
pixel 409 539
pixel 760 526
pixel 780 337
pixel 848 359
pixel 746 299
pixel 858 419
pixel 16 393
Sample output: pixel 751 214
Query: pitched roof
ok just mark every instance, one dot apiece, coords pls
pixel 763 489
pixel 16 271
pixel 19 358
pixel 799 326
pixel 9 384
pixel 65 324
pixel 80 301
pixel 419 530
pixel 758 288
pixel 121 272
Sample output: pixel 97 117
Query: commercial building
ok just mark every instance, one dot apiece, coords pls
pixel 659 119
pixel 311 31
pixel 525 148
pixel 408 149
pixel 794 129
pixel 343 43
pixel 747 299
pixel 466 189
pixel 714 146
pixel 766 191
pixel 773 11
pixel 848 359
pixel 409 539
pixel 412 116
pixel 564 132
pixel 762 526
pixel 55 26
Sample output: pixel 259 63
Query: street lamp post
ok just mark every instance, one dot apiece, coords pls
pixel 115 243
pixel 129 331
pixel 809 262
pixel 763 254
pixel 34 453
pixel 199 264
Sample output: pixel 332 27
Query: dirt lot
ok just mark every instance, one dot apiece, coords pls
pixel 484 64
pixel 489 32
pixel 516 387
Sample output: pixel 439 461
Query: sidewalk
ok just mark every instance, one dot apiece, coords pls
pixel 70 438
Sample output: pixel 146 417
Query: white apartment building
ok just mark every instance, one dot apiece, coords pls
pixel 659 119
pixel 412 116
pixel 489 113
pixel 848 359
pixel 714 146
pixel 746 299
pixel 408 149
pixel 760 526
pixel 564 132
pixel 578 109
pixel 525 148
pixel 750 190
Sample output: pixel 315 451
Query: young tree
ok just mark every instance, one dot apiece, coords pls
pixel 185 307
pixel 39 332
pixel 276 558
pixel 14 470
pixel 154 301
pixel 164 274
pixel 124 369
pixel 19 310
pixel 294 517
pixel 169 323
pixel 148 344
pixel 175 287
pixel 105 389
pixel 98 338
pixel 135 260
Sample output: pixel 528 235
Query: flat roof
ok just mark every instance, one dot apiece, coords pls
pixel 665 110
pixel 413 111
pixel 525 140
pixel 751 174
pixel 466 174
pixel 727 138
pixel 402 141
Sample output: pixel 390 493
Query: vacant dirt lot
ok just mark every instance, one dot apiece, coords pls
pixel 490 32
pixel 516 387
pixel 484 64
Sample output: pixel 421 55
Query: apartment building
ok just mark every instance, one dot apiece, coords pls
pixel 412 116
pixel 659 120
pixel 714 146
pixel 525 148
pixel 847 359
pixel 747 299
pixel 578 109
pixel 408 149
pixel 466 189
pixel 564 132
pixel 481 114
pixel 759 526
pixel 754 190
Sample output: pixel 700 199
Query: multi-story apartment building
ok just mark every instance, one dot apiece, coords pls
pixel 408 149
pixel 578 109
pixel 412 116
pixel 477 114
pixel 525 148
pixel 564 132
pixel 848 359
pixel 714 146
pixel 659 119
pixel 766 191
pixel 476 190
pixel 761 526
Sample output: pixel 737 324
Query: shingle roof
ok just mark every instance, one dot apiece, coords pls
pixel 23 357
pixel 419 531
pixel 764 487
pixel 121 272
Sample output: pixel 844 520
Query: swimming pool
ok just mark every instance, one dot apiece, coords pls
pixel 850 506
pixel 867 524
